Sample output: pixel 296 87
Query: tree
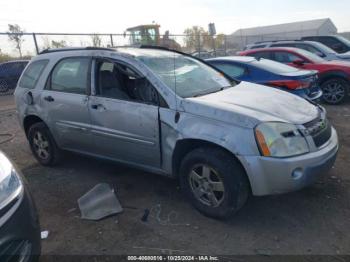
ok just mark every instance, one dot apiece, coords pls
pixel 220 41
pixel 15 35
pixel 58 44
pixel 197 38
pixel 96 40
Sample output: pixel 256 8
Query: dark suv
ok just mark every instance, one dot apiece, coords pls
pixel 337 43
pixel 10 73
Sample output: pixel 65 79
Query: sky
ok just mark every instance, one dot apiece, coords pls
pixel 114 16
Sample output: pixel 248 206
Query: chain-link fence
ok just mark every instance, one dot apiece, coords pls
pixel 33 43
pixel 22 46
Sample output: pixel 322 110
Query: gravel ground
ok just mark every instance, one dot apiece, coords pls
pixel 313 221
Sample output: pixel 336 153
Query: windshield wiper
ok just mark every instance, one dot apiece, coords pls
pixel 211 92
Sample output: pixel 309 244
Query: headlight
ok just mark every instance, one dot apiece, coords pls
pixel 10 183
pixel 277 139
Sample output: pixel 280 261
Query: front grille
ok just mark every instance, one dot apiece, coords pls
pixel 323 136
pixel 320 130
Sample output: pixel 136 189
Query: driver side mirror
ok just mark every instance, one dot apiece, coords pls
pixel 299 62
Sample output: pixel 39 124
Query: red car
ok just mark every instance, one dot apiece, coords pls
pixel 334 76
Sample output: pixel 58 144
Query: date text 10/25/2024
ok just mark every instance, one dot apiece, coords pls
pixel 172 258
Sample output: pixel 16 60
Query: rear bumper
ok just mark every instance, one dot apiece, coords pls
pixel 275 175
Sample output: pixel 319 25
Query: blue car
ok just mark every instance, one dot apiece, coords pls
pixel 267 72
pixel 10 73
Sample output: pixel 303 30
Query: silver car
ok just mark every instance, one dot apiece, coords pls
pixel 171 114
pixel 314 47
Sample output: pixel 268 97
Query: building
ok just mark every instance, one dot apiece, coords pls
pixel 286 31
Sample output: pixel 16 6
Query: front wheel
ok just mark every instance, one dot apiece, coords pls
pixel 214 182
pixel 335 91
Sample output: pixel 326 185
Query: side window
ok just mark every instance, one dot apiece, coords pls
pixel 258 46
pixel 310 48
pixel 285 57
pixel 283 45
pixel 333 43
pixel 232 70
pixel 258 55
pixel 119 81
pixel 31 75
pixel 71 75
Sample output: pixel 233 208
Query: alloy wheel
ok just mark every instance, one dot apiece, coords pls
pixel 333 92
pixel 206 185
pixel 41 146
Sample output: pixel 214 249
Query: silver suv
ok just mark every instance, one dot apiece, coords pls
pixel 169 113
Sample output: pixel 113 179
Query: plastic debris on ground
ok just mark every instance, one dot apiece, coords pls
pixel 99 202
pixel 44 234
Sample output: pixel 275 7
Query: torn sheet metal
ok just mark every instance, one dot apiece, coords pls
pixel 99 202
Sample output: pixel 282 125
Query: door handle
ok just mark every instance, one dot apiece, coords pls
pixel 98 106
pixel 49 98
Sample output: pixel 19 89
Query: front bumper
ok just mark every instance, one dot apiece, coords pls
pixel 20 230
pixel 269 175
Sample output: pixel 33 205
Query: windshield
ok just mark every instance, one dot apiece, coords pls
pixel 344 40
pixel 324 48
pixel 185 75
pixel 273 67
pixel 312 57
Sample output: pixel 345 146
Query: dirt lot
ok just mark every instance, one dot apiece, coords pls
pixel 313 221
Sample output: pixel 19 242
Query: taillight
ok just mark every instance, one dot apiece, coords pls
pixel 290 84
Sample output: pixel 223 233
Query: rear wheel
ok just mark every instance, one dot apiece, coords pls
pixel 335 91
pixel 43 145
pixel 214 182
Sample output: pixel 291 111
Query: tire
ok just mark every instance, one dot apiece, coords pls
pixel 4 86
pixel 224 169
pixel 40 141
pixel 335 91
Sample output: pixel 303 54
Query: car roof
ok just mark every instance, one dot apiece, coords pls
pixel 243 59
pixel 129 51
pixel 291 49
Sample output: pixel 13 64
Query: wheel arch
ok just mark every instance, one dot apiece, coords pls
pixel 184 146
pixel 333 74
pixel 30 120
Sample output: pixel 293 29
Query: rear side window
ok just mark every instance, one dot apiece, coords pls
pixel 285 57
pixel 71 75
pixel 31 75
pixel 258 55
pixel 230 69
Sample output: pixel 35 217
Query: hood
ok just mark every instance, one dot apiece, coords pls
pixel 248 104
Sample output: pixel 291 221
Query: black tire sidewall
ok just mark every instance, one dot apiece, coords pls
pixel 43 129
pixel 231 173
pixel 343 82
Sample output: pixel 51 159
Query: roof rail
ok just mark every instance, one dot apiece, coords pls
pixel 53 50
pixel 274 41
